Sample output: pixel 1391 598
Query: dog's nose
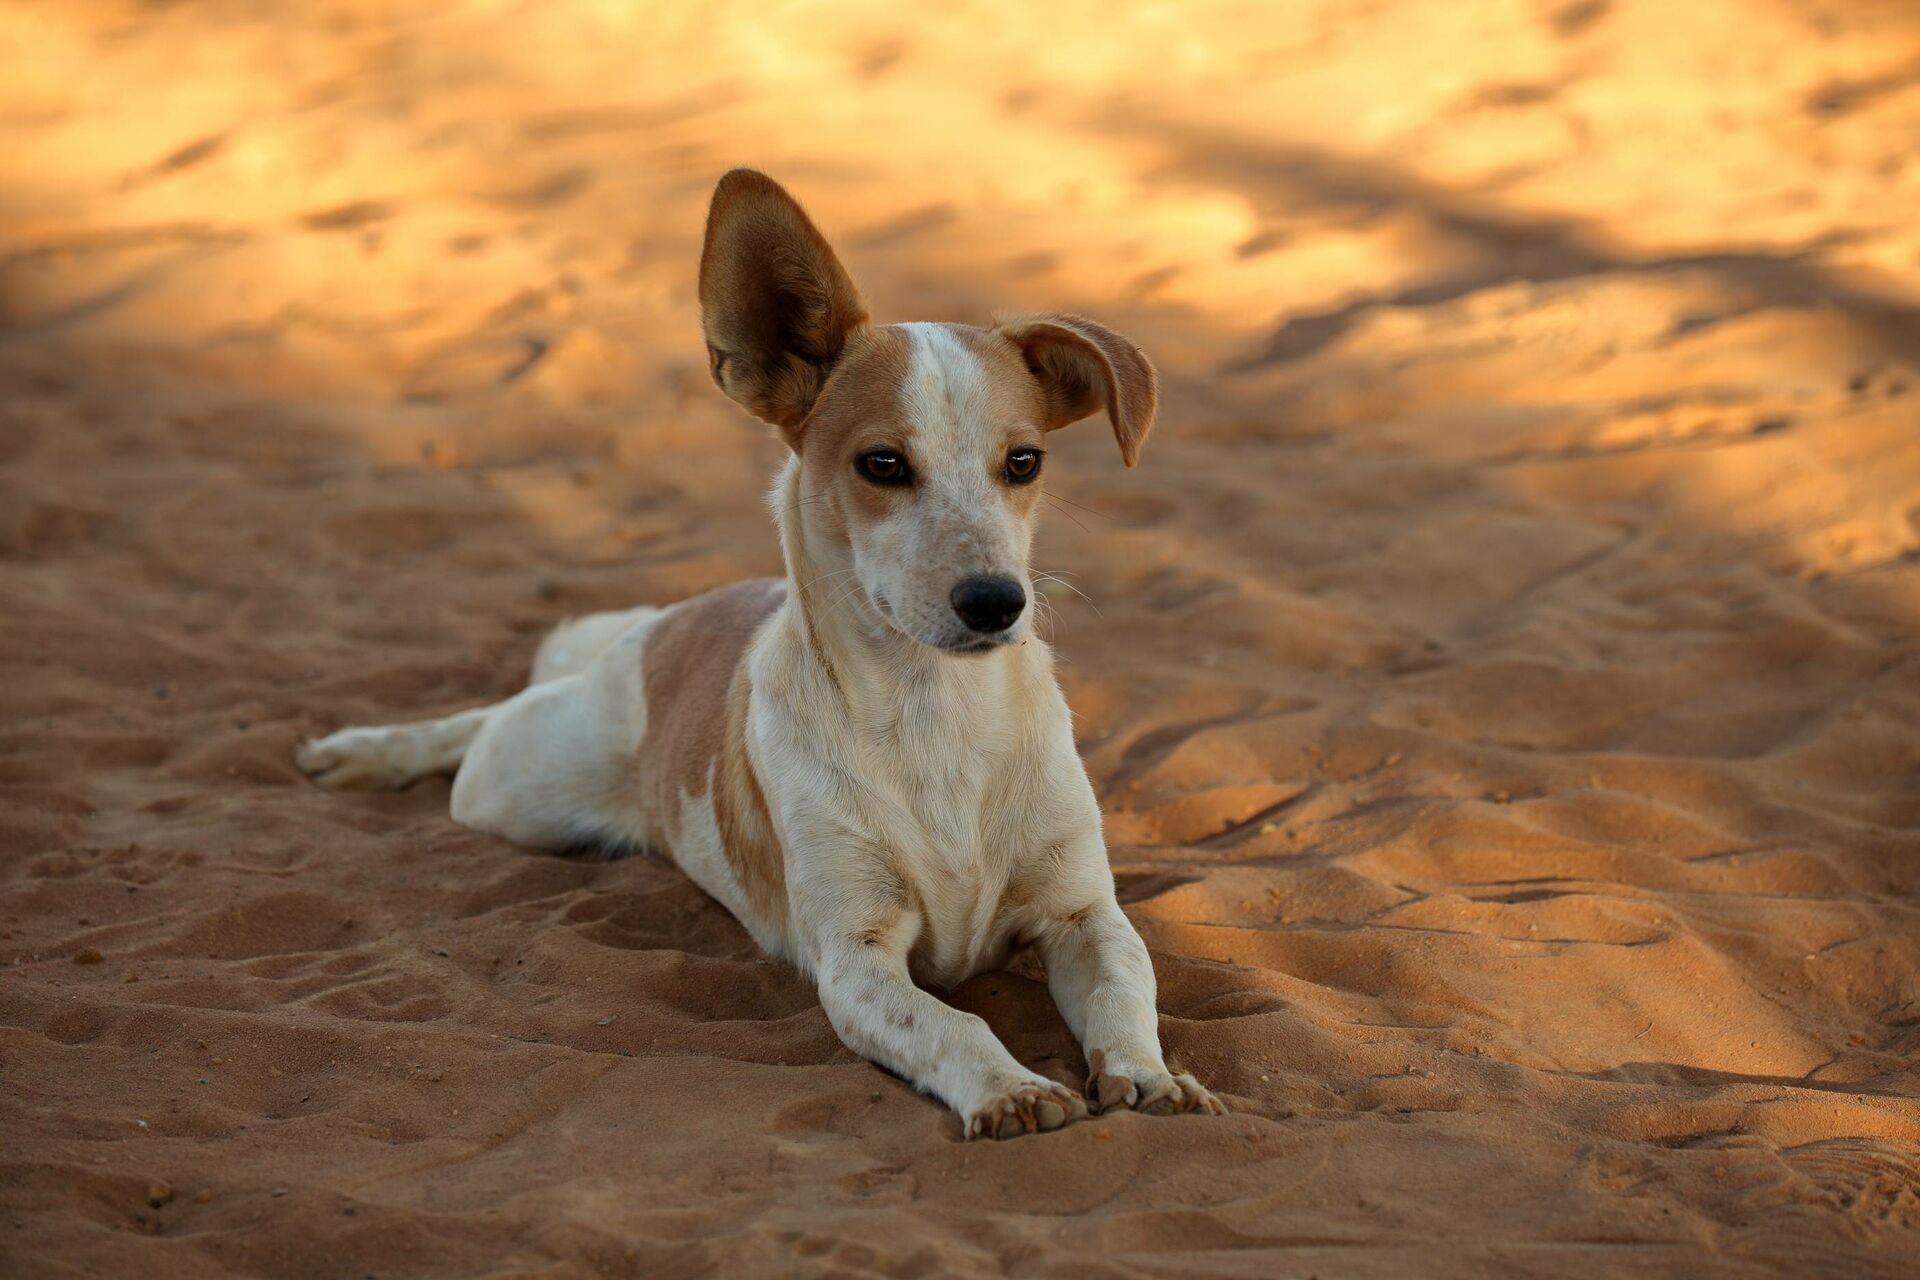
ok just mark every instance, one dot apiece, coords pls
pixel 988 604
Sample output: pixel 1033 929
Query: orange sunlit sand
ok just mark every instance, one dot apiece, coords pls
pixel 1499 675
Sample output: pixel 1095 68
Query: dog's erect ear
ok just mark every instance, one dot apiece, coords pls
pixel 1082 366
pixel 775 303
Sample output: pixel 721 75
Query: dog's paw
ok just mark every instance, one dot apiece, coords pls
pixel 1113 1085
pixel 1029 1106
pixel 356 760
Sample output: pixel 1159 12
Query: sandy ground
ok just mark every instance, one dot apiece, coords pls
pixel 1503 687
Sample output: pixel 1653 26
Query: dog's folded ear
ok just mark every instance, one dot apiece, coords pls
pixel 1081 367
pixel 775 303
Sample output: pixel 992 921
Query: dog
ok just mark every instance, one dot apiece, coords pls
pixel 869 763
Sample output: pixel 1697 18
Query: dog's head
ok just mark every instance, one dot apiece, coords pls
pixel 920 447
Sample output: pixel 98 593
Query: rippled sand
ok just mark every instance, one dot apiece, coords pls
pixel 1500 673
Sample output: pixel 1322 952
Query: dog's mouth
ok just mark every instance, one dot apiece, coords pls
pixel 964 645
pixel 977 644
pixel 967 644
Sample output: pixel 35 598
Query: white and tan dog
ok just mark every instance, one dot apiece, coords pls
pixel 868 763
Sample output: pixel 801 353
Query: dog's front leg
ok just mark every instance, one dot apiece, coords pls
pixel 861 969
pixel 1102 980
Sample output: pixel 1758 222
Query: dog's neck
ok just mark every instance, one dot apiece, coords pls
pixel 876 668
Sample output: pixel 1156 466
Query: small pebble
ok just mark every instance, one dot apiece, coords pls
pixel 88 955
pixel 159 1192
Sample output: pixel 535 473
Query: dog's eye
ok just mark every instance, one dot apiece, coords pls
pixel 882 467
pixel 1023 465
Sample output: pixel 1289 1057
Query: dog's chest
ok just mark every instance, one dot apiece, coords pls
pixel 960 798
pixel 958 880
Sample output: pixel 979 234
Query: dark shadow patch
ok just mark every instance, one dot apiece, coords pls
pixel 1140 886
pixel 903 227
pixel 875 58
pixel 555 189
pixel 1280 180
pixel 346 217
pixel 195 153
pixel 1571 20
pixel 1843 97
pixel 1516 94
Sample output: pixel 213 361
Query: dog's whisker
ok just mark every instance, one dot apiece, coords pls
pixel 844 594
pixel 1045 616
pixel 1048 577
pixel 1060 576
pixel 1092 511
pixel 824 577
pixel 1066 514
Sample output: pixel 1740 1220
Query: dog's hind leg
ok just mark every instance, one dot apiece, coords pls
pixel 575 643
pixel 389 757
pixel 552 765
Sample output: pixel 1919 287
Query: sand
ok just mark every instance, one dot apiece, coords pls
pixel 1500 675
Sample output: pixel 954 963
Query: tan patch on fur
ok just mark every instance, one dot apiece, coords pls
pixel 861 409
pixel 698 693
pixel 1109 1091
pixel 1103 1090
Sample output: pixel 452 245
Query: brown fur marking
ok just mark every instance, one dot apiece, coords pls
pixel 861 409
pixel 1083 366
pixel 698 692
